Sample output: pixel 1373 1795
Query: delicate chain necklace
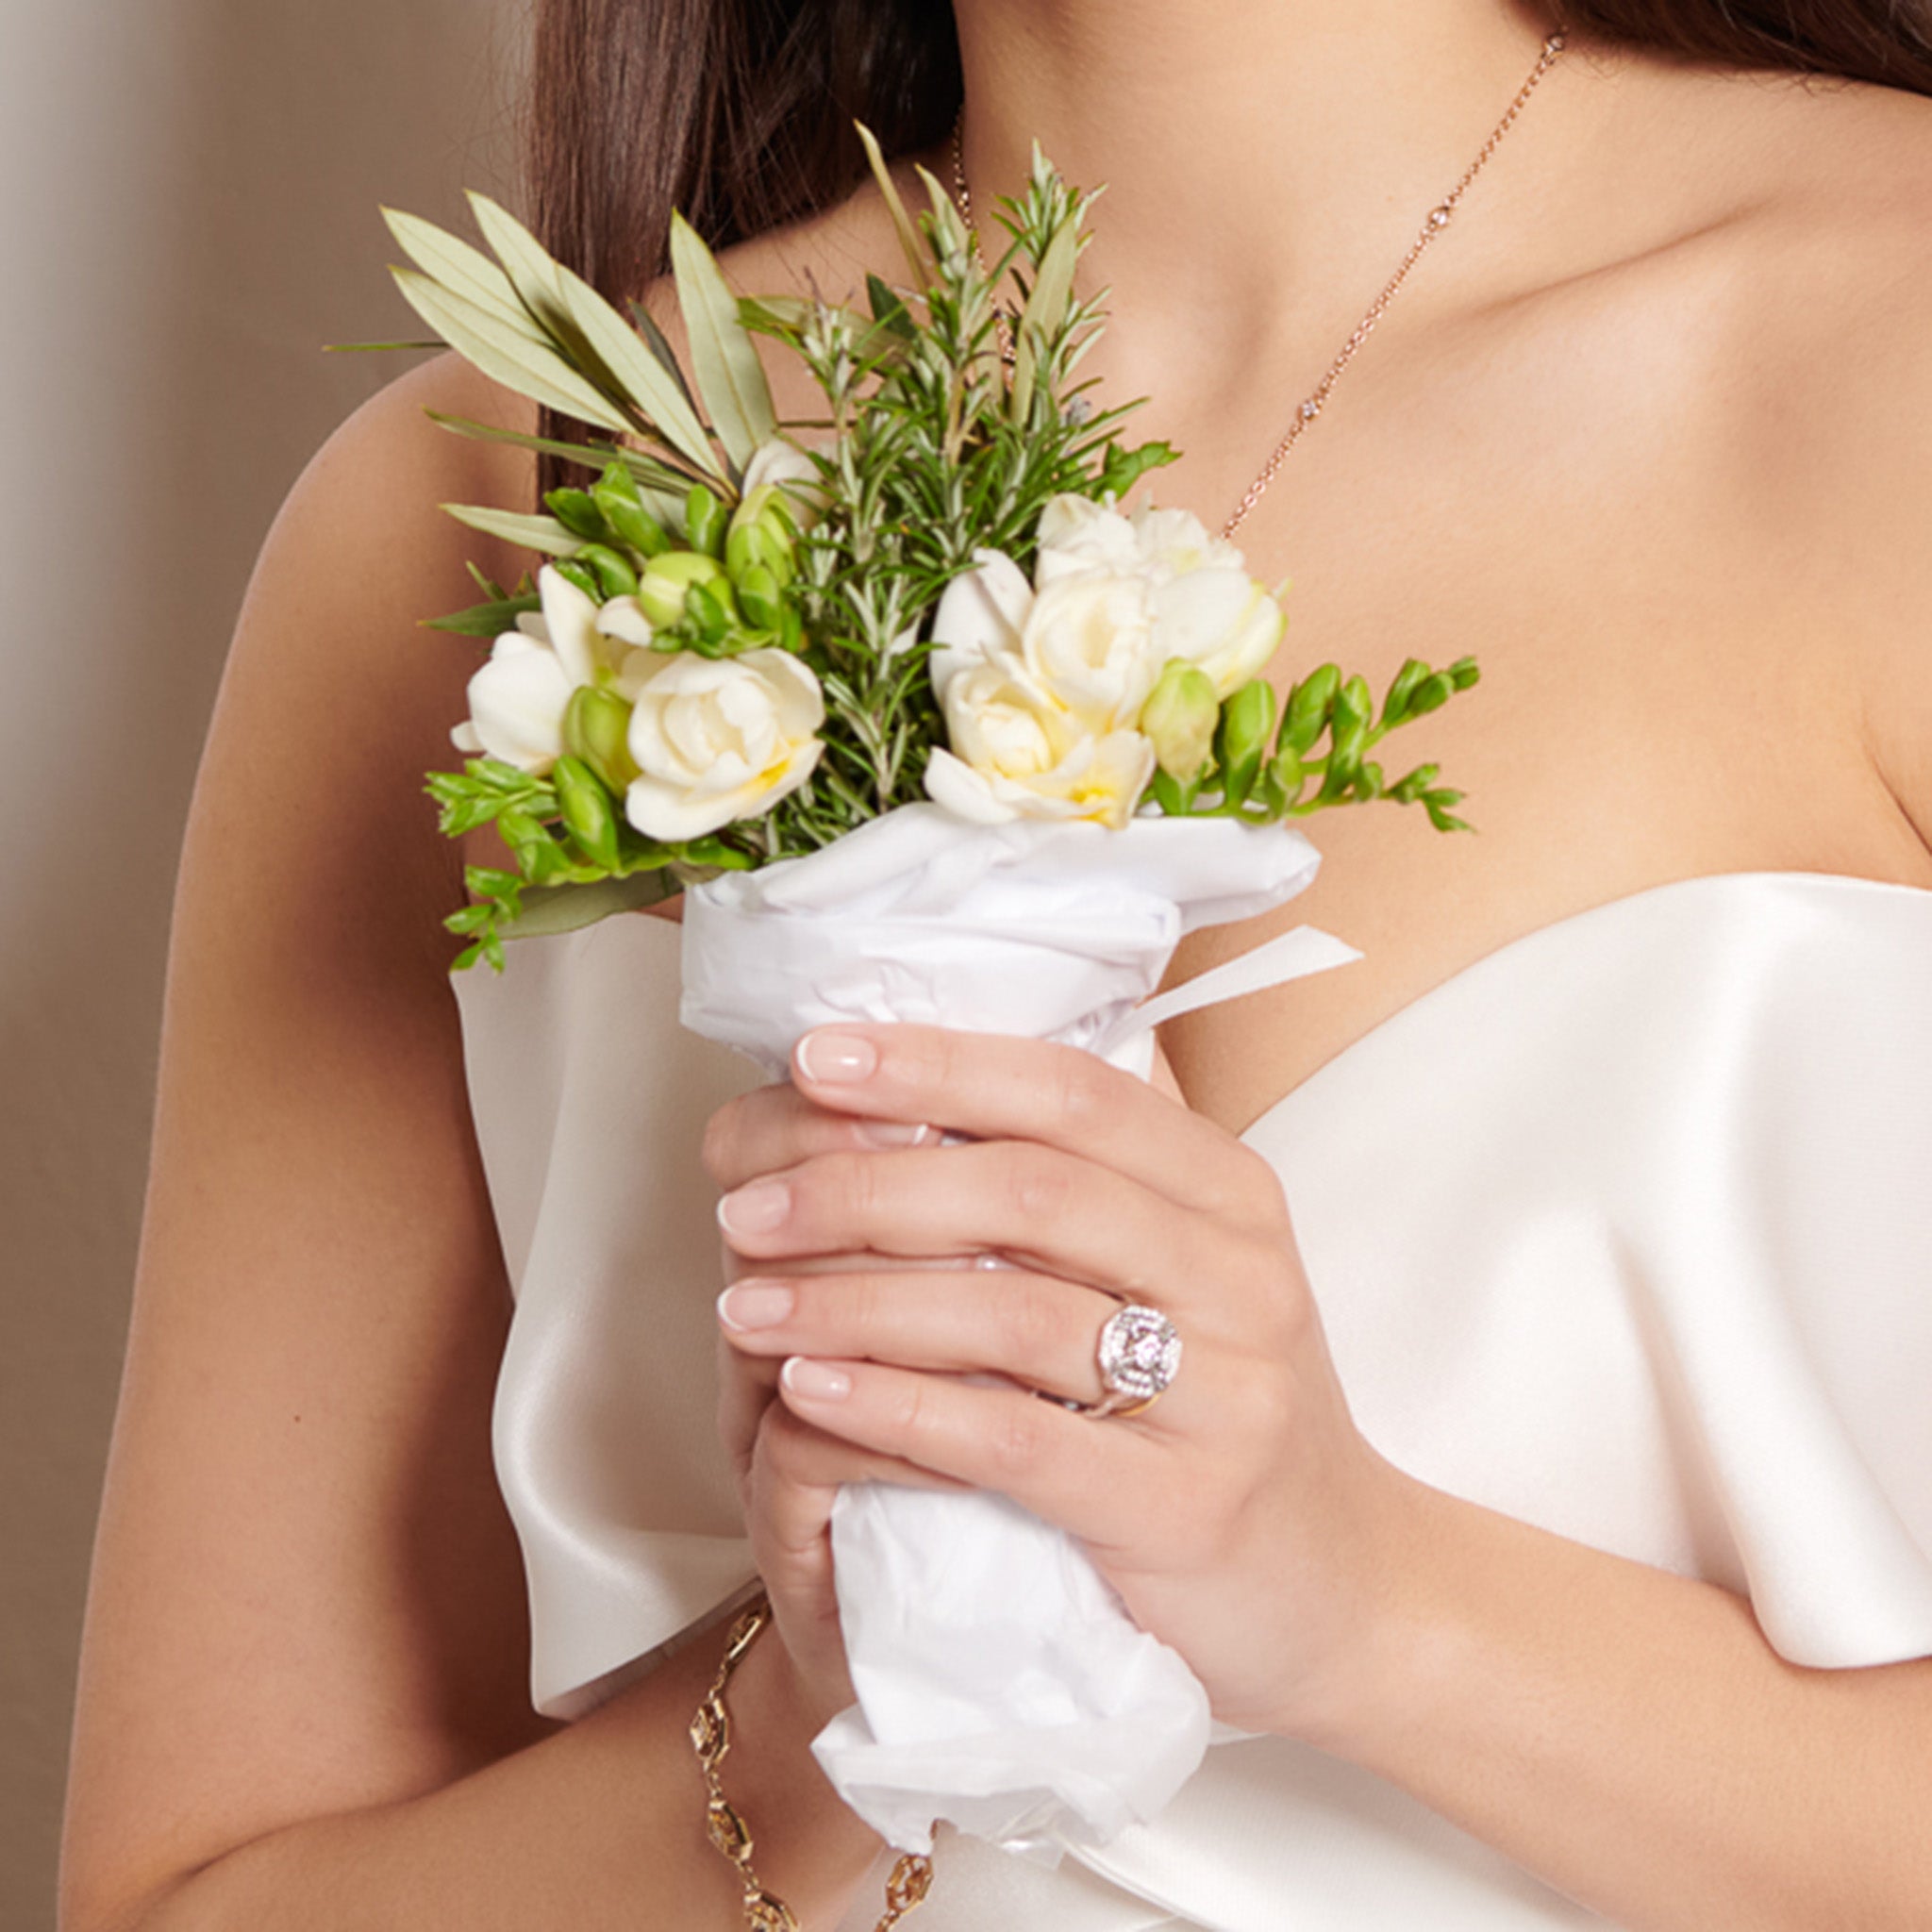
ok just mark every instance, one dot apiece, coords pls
pixel 1433 224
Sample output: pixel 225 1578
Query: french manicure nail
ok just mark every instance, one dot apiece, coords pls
pixel 895 1133
pixel 755 1305
pixel 837 1059
pixel 815 1381
pixel 761 1208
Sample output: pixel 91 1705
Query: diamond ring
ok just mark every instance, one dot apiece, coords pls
pixel 1139 1355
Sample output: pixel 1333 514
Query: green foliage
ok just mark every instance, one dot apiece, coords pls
pixel 936 449
pixel 569 841
pixel 931 447
pixel 1296 775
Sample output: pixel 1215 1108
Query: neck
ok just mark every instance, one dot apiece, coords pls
pixel 1263 162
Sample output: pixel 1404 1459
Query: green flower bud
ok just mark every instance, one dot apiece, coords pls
pixel 1464 673
pixel 615 578
pixel 759 597
pixel 577 512
pixel 572 572
pixel 666 578
pixel 711 607
pixel 1309 706
pixel 596 729
pixel 705 521
pixel 1285 769
pixel 589 814
pixel 1179 718
pixel 616 496
pixel 1432 694
pixel 1404 684
pixel 1405 790
pixel 1247 723
pixel 756 546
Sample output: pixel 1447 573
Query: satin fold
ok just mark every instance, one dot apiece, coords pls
pixel 1624 1230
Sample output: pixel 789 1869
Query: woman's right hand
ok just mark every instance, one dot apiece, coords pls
pixel 787 1472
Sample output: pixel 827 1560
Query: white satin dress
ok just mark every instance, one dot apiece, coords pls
pixel 1625 1230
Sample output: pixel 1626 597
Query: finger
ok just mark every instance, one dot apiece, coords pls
pixel 1045 1209
pixel 989 1087
pixel 798 1469
pixel 792 1480
pixel 1094 1478
pixel 746 1388
pixel 1035 1328
pixel 773 1127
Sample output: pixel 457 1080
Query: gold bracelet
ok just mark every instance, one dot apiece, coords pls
pixel 710 1733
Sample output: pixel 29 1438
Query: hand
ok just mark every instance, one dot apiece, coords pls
pixel 1243 1519
pixel 787 1472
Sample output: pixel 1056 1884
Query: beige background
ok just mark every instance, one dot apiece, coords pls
pixel 190 210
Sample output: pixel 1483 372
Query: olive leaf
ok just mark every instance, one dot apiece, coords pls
pixel 565 909
pixel 663 490
pixel 664 401
pixel 729 375
pixel 543 534
pixel 588 330
pixel 915 249
pixel 464 271
pixel 506 354
pixel 527 267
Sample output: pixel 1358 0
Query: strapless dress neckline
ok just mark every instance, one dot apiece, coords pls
pixel 1557 933
pixel 1620 1229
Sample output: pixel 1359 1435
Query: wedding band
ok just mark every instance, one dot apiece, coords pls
pixel 1138 1354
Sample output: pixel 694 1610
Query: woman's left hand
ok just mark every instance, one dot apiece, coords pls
pixel 1243 1519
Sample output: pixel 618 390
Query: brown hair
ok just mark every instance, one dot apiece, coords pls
pixel 739 112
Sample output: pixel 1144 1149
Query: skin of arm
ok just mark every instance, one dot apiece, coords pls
pixel 302 1697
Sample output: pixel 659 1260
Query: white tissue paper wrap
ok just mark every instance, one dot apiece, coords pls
pixel 1000 1686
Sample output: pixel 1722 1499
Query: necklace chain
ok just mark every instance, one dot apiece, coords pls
pixel 1434 225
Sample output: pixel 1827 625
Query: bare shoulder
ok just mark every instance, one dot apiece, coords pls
pixel 1836 372
pixel 1801 297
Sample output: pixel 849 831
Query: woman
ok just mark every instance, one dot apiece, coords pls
pixel 1526 1553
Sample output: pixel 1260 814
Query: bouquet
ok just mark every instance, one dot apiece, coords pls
pixel 927 725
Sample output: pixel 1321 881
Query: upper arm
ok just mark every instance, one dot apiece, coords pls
pixel 305 1596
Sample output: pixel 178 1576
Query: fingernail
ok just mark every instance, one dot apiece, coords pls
pixel 755 1305
pixel 815 1381
pixel 895 1133
pixel 837 1059
pixel 759 1208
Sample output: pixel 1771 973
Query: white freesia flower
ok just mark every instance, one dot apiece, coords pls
pixel 1091 642
pixel 518 698
pixel 517 702
pixel 1208 609
pixel 1076 533
pixel 720 739
pixel 979 617
pixel 1171 543
pixel 1087 638
pixel 1219 620
pixel 1017 753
